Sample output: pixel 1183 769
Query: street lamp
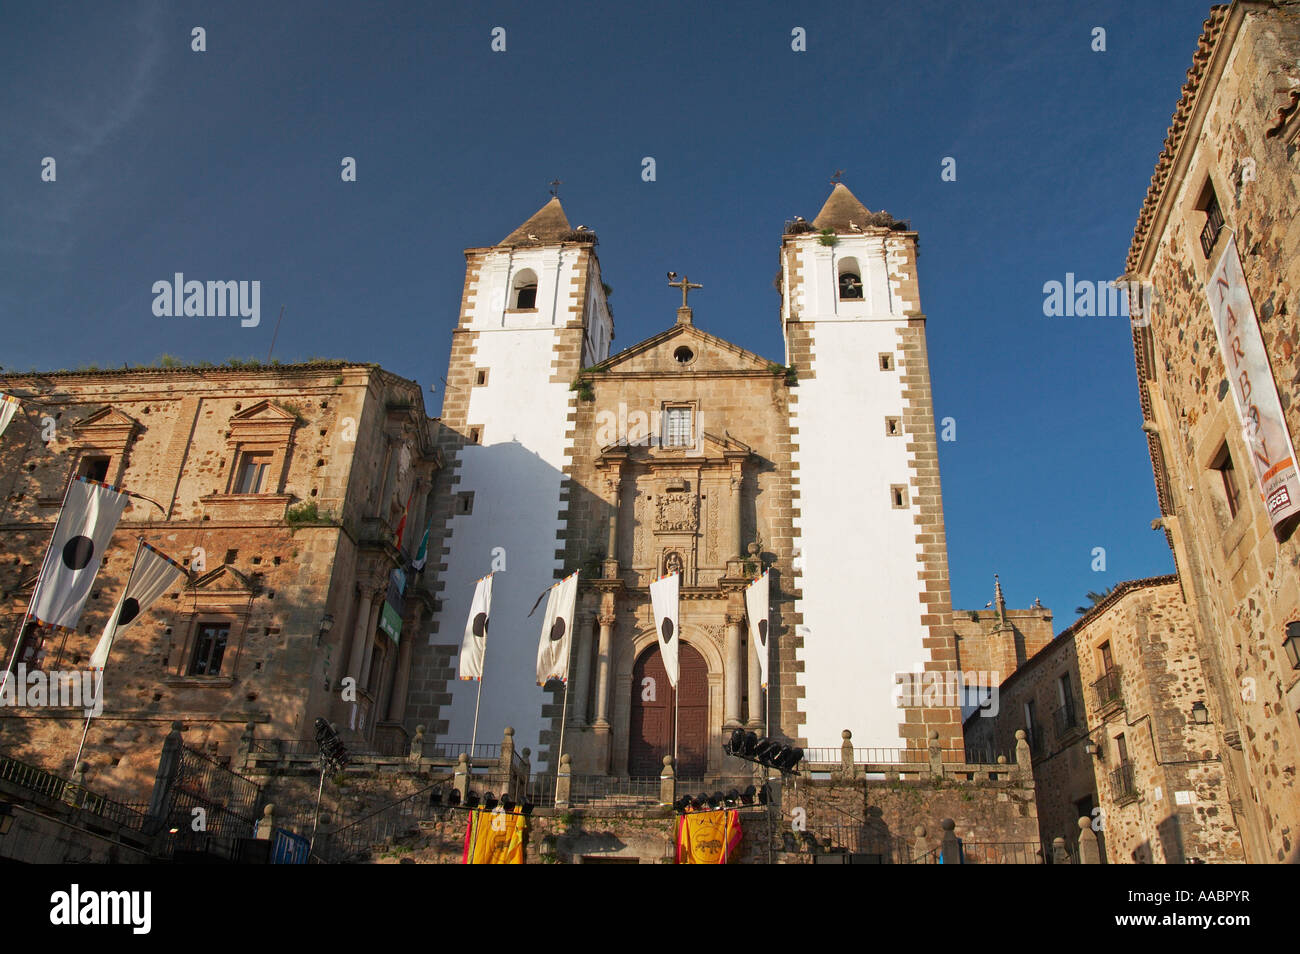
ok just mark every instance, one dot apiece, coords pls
pixel 1292 643
pixel 1200 714
pixel 326 624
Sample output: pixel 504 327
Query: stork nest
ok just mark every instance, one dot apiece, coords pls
pixel 586 235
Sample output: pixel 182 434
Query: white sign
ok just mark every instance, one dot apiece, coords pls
pixel 1253 391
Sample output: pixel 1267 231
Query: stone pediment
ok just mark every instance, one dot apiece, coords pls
pixel 684 349
pixel 264 412
pixel 225 580
pixel 106 419
pixel 710 447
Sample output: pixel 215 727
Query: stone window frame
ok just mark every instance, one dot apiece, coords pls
pixel 246 437
pixel 237 620
pixel 108 433
pixel 899 497
pixel 887 361
pixel 893 426
pixel 1192 215
pixel 518 284
pixel 692 438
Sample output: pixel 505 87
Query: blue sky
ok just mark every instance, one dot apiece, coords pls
pixel 225 165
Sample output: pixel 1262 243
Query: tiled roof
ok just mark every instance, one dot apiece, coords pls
pixel 1211 31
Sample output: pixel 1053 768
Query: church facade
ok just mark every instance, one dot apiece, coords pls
pixel 689 453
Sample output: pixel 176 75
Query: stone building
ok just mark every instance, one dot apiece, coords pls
pixel 1114 709
pixel 1225 190
pixel 689 452
pixel 281 490
pixel 993 643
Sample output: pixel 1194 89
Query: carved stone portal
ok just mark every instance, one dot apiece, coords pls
pixel 676 512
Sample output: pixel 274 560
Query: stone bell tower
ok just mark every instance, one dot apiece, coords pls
pixel 533 313
pixel 871 559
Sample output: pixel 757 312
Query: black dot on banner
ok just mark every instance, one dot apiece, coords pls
pixel 666 627
pixel 77 552
pixel 130 610
pixel 481 625
pixel 762 631
pixel 557 631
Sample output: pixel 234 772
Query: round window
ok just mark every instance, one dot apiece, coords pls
pixel 684 355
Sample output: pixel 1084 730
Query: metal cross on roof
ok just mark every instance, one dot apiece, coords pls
pixel 555 187
pixel 685 285
pixel 837 176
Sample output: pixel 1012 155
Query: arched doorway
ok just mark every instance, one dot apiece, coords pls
pixel 650 732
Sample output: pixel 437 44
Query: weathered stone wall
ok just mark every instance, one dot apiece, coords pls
pixel 172 436
pixel 982 646
pixel 1234 129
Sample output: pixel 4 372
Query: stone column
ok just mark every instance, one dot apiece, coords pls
pixel 603 667
pixel 737 495
pixel 401 681
pixel 368 647
pixel 360 635
pixel 732 671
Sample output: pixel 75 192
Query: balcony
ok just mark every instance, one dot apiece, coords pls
pixel 1122 789
pixel 1108 691
pixel 1210 231
pixel 1065 720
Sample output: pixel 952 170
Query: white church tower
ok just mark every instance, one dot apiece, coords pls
pixel 871 557
pixel 533 313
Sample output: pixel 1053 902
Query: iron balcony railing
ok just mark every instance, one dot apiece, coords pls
pixel 1122 788
pixel 1065 719
pixel 1213 224
pixel 1108 689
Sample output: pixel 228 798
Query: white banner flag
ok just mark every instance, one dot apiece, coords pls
pixel 557 631
pixel 474 645
pixel 756 609
pixel 663 597
pixel 8 408
pixel 1253 390
pixel 152 576
pixel 86 523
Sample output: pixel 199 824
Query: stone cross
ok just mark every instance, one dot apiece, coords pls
pixel 685 285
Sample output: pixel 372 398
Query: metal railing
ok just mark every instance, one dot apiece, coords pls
pixel 604 790
pixel 1122 787
pixel 390 821
pixel 1213 224
pixel 1065 719
pixel 478 752
pixel 987 853
pixel 31 778
pixel 130 815
pixel 1109 688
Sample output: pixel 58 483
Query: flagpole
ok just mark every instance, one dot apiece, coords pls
pixel 112 621
pixel 564 705
pixel 36 588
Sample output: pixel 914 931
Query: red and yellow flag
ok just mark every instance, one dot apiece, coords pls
pixel 495 838
pixel 708 838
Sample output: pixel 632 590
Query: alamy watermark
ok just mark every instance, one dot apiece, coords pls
pixel 193 299
pixel 74 688
pixel 973 689
pixel 1098 299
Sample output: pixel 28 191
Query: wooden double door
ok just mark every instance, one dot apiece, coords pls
pixel 654 704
